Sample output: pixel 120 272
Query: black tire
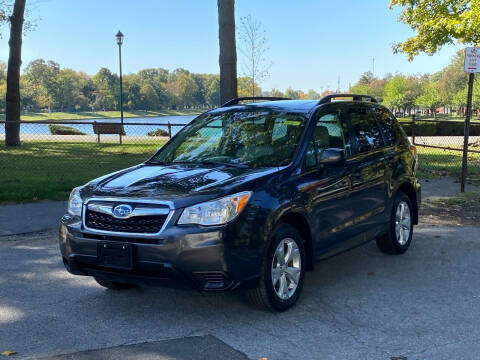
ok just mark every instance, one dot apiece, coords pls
pixel 112 284
pixel 388 243
pixel 264 295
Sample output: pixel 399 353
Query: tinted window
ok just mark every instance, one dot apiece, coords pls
pixel 365 129
pixel 328 133
pixel 252 138
pixel 387 125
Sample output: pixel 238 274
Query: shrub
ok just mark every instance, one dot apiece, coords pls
pixel 64 130
pixel 444 128
pixel 158 132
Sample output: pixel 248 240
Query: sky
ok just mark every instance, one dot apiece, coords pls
pixel 311 43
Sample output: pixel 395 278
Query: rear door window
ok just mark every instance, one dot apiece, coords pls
pixel 390 128
pixel 367 134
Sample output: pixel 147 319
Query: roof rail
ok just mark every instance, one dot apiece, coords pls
pixel 235 101
pixel 356 97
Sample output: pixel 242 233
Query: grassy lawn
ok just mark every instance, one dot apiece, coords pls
pixel 49 170
pixel 40 170
pixel 437 162
pixel 101 114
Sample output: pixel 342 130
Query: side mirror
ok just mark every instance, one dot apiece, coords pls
pixel 332 156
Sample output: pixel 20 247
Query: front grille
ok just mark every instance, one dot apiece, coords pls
pixel 138 224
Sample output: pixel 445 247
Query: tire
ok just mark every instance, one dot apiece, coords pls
pixel 112 284
pixel 399 236
pixel 290 275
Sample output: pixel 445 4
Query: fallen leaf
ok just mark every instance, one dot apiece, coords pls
pixel 9 352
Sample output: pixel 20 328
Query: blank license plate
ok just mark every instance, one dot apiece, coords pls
pixel 118 256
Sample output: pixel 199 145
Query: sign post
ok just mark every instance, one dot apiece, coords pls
pixel 471 66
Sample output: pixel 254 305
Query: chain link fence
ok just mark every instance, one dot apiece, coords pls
pixel 440 145
pixel 56 156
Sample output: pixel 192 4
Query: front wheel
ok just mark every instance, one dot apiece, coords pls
pixel 283 271
pixel 397 240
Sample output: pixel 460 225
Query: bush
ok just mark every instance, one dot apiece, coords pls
pixel 64 130
pixel 158 132
pixel 444 128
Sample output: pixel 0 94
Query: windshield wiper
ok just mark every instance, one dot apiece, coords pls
pixel 211 162
pixel 202 162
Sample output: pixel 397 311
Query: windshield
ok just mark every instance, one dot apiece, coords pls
pixel 256 139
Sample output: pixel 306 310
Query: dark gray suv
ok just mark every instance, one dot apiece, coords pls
pixel 252 195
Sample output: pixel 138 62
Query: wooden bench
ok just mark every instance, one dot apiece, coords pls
pixel 108 129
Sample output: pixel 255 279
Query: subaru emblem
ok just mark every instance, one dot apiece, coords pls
pixel 122 211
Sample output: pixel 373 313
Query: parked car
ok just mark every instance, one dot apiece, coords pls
pixel 252 195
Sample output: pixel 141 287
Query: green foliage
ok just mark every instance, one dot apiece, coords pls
pixel 394 94
pixel 438 22
pixel 158 132
pixel 45 86
pixel 64 130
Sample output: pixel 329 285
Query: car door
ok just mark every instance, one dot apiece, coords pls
pixel 369 186
pixel 325 189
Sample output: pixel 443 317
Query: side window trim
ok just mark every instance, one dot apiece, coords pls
pixel 382 132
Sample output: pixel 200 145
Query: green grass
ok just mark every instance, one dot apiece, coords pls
pixel 41 170
pixel 84 115
pixel 437 162
pixel 49 170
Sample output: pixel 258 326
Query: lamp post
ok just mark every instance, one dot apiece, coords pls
pixel 119 37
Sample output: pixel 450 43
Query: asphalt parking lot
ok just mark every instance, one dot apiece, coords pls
pixel 359 305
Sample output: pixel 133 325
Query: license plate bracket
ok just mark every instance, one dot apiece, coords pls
pixel 116 256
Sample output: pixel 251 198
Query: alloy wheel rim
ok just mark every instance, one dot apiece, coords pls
pixel 286 268
pixel 403 223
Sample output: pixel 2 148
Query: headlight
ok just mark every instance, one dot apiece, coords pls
pixel 216 212
pixel 75 203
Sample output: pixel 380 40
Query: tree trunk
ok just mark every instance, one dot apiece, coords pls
pixel 12 129
pixel 228 50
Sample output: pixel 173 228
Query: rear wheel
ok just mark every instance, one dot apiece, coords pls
pixel 397 240
pixel 283 271
pixel 113 284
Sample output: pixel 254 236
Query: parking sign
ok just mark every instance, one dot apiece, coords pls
pixel 472 60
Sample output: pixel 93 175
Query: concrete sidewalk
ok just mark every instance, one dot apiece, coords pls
pixel 26 218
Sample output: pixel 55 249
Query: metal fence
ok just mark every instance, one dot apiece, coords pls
pixel 52 159
pixel 85 143
pixel 440 143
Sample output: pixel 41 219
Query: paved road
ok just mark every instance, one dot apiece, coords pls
pixel 26 218
pixel 360 305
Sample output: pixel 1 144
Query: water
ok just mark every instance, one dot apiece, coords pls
pixel 131 130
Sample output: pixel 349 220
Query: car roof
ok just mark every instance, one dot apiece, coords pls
pixel 289 106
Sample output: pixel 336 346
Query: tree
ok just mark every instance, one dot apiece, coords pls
pixel 228 51
pixel 253 47
pixel 438 22
pixel 42 78
pixel 394 92
pixel 149 98
pixel 70 85
pixel 107 89
pixel 12 111
pixel 245 87
pixel 429 98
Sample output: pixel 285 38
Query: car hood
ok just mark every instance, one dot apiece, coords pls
pixel 179 184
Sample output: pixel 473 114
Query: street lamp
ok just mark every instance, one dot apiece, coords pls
pixel 119 37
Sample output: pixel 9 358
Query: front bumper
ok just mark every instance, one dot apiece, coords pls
pixel 210 259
